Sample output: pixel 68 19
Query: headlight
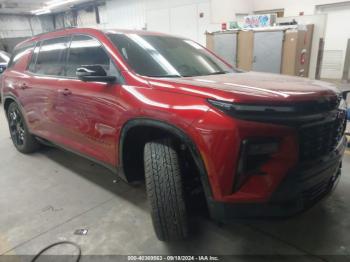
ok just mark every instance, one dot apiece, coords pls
pixel 281 114
pixel 233 107
pixel 291 114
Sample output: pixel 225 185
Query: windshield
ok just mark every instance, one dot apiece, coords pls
pixel 166 56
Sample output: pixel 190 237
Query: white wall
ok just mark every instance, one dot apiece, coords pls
pixel 336 38
pixel 180 17
pixel 16 28
pixel 19 26
pixel 292 7
pixel 226 10
pixel 175 17
pixel 128 14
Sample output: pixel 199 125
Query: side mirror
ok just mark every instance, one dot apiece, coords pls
pixel 94 73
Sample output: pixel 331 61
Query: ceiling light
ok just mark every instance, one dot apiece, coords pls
pixel 55 3
pixel 52 2
pixel 42 11
pixel 50 5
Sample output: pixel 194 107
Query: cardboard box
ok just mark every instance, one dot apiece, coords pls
pixel 210 41
pixel 245 46
pixel 297 51
pixel 289 52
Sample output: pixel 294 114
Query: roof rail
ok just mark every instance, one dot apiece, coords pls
pixel 56 30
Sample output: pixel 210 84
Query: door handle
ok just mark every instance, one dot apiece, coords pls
pixel 24 86
pixel 65 92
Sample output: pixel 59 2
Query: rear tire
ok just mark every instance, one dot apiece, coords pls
pixel 165 190
pixel 21 138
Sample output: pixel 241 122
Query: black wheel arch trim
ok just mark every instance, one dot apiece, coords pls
pixel 176 132
pixel 12 97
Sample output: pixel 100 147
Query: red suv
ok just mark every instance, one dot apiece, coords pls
pixel 167 110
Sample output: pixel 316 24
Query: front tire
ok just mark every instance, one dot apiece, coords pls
pixel 21 138
pixel 165 190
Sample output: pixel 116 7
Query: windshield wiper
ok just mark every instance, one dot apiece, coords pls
pixel 214 73
pixel 218 73
pixel 163 75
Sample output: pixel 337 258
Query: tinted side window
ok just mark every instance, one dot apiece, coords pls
pixel 85 50
pixel 34 57
pixel 139 59
pixel 51 57
pixel 20 52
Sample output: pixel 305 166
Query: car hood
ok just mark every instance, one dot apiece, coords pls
pixel 253 87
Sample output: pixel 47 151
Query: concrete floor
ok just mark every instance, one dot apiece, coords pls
pixel 46 196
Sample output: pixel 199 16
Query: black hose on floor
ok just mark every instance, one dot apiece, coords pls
pixel 57 244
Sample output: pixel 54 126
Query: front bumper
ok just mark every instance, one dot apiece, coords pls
pixel 302 187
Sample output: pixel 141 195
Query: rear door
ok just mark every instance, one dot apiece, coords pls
pixel 14 80
pixel 86 114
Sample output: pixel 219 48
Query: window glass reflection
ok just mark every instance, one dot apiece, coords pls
pixel 85 50
pixel 51 57
pixel 167 56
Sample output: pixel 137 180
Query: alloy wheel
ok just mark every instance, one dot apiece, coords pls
pixel 16 126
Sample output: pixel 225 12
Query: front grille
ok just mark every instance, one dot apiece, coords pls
pixel 321 139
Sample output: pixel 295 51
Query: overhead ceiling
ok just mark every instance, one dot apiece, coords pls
pixel 19 6
pixel 27 6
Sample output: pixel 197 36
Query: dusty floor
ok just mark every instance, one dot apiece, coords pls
pixel 46 196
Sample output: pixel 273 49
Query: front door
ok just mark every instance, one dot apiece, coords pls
pixel 87 113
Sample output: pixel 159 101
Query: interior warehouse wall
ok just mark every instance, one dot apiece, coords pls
pixel 16 28
pixel 85 17
pixel 292 7
pixel 182 17
pixel 187 18
pixel 336 39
